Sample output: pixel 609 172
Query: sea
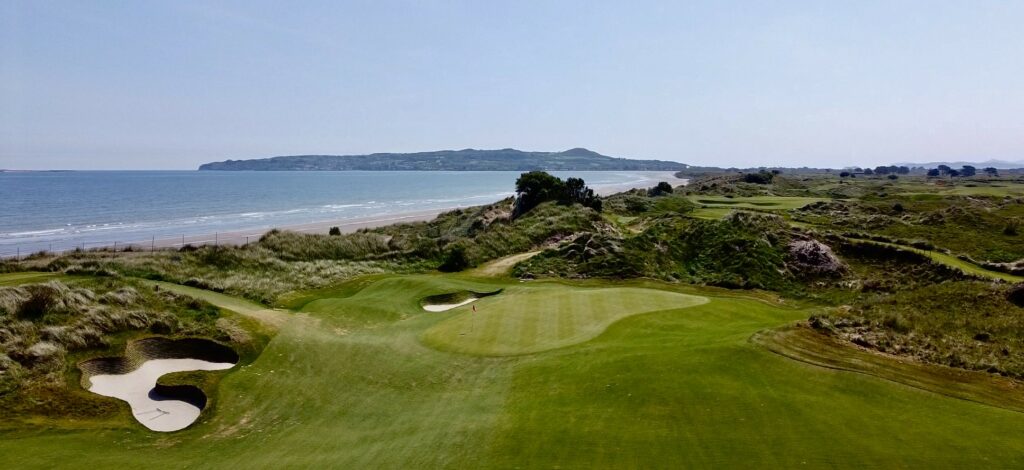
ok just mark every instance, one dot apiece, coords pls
pixel 59 211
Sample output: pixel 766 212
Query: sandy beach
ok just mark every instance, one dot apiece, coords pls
pixel 241 237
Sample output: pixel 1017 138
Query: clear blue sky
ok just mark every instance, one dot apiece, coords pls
pixel 141 85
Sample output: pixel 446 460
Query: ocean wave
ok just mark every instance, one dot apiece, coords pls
pixel 33 233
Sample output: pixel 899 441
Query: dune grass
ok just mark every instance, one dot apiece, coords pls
pixel 348 383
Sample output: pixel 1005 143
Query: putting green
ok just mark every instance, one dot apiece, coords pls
pixel 348 383
pixel 530 320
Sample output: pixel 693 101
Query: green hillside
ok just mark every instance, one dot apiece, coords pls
pixel 576 159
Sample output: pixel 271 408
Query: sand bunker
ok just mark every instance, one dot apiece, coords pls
pixel 443 302
pixel 443 307
pixel 133 378
pixel 149 407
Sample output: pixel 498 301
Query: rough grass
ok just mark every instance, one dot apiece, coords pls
pixel 349 384
pixel 965 324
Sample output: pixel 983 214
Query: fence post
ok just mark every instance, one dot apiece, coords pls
pixel 152 244
pixel 215 238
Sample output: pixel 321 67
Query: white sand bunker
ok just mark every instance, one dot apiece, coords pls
pixel 443 307
pixel 133 377
pixel 139 389
pixel 443 302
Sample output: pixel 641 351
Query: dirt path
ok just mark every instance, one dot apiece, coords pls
pixel 501 266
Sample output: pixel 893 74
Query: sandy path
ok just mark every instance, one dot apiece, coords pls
pixel 270 317
pixel 135 388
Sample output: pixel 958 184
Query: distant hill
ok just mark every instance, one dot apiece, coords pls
pixel 452 160
pixel 1000 164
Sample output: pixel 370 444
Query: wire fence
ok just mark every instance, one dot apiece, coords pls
pixel 153 244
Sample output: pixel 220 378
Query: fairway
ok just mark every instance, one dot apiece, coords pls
pixel 353 380
pixel 754 202
pixel 530 320
pixel 14 279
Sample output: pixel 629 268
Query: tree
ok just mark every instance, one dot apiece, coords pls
pixel 882 170
pixel 761 177
pixel 868 171
pixel 661 189
pixel 577 192
pixel 944 169
pixel 536 187
pixel 953 173
pixel 903 170
pixel 334 231
pixel 991 171
pixel 968 171
pixel 844 174
pixel 934 173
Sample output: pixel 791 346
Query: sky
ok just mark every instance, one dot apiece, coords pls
pixel 170 85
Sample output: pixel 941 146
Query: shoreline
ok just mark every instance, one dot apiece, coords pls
pixel 242 236
pixel 350 225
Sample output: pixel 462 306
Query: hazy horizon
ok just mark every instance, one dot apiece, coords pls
pixel 745 84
